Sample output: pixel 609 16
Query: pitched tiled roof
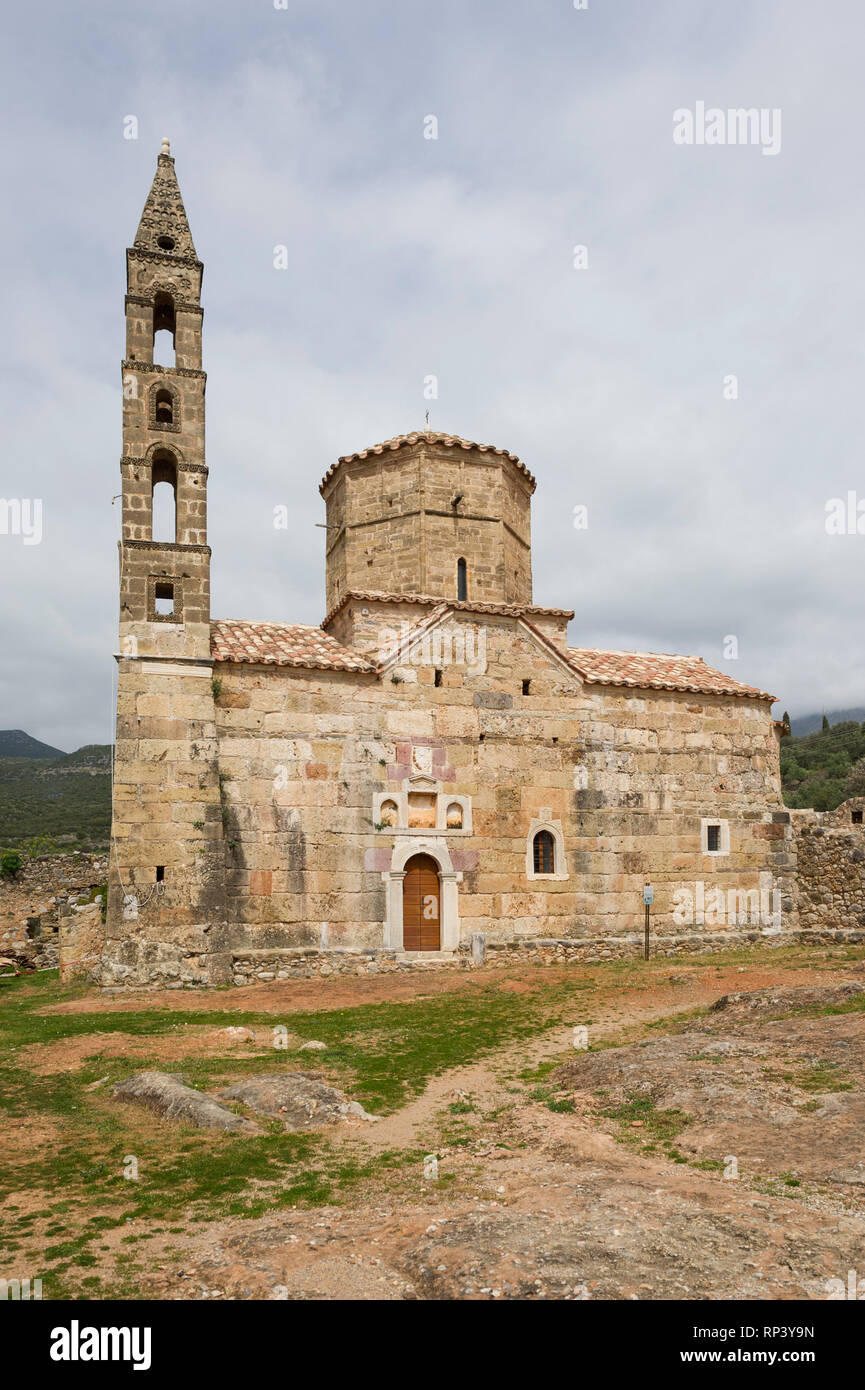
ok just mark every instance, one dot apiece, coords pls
pixel 507 610
pixel 297 644
pixel 430 437
pixel 282 644
pixel 658 671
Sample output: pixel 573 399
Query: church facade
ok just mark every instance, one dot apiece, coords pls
pixel 434 761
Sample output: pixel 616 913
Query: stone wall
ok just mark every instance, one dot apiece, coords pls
pixel 81 943
pixel 626 776
pixel 830 885
pixel 254 967
pixel 166 888
pixel 47 898
pixel 258 805
pixel 258 802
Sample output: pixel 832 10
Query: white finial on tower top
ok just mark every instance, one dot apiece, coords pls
pixel 166 147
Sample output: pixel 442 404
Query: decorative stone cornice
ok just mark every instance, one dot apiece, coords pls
pixel 142 253
pixel 159 370
pixel 144 462
pixel 145 301
pixel 177 546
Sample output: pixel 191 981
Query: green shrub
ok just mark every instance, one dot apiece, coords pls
pixel 10 863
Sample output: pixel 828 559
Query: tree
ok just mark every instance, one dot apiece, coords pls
pixel 855 784
pixel 826 724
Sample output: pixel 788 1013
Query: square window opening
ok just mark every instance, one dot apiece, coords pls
pixel 163 600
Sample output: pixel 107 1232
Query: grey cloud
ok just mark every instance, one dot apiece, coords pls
pixel 453 257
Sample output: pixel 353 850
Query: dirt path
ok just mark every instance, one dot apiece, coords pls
pixel 678 994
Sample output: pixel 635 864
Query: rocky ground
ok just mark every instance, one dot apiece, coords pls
pixel 704 1146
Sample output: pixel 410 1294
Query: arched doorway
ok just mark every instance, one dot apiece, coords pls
pixel 421 905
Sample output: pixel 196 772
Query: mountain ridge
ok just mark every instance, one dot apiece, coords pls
pixel 15 743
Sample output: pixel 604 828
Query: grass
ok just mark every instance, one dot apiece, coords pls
pixel 658 1126
pixel 388 1052
pixel 823 1076
pixel 853 1005
pixel 382 1054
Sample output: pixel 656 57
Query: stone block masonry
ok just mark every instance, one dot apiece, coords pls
pixel 830 878
pixel 46 906
pixel 263 967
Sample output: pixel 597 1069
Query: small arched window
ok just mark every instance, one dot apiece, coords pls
pixel 454 816
pixel 544 852
pixel 462 581
pixel 389 814
pixel 163 407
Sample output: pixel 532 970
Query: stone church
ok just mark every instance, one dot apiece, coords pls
pixel 432 768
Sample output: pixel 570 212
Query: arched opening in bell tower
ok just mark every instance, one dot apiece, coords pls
pixel 164 497
pixel 164 327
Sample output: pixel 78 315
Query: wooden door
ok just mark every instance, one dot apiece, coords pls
pixel 421 905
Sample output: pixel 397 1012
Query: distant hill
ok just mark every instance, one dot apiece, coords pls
pixel 14 743
pixel 814 768
pixel 811 723
pixel 62 801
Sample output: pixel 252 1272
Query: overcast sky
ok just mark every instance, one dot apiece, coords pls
pixel 453 257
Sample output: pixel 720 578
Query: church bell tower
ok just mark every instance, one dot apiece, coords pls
pixel 166 891
pixel 164 556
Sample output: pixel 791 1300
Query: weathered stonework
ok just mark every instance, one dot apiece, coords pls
pixel 46 905
pixel 82 941
pixel 302 807
pixel 830 883
pixel 401 516
pixel 262 967
pixel 277 785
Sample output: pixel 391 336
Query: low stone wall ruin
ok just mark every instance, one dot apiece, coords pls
pixel 253 967
pixel 45 920
pixel 830 878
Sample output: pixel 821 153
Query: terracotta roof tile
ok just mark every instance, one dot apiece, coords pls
pixel 282 644
pixel 400 441
pixel 298 644
pixel 658 671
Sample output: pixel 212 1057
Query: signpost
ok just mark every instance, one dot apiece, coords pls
pixel 648 899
